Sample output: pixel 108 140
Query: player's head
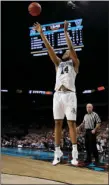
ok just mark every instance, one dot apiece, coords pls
pixel 89 107
pixel 66 55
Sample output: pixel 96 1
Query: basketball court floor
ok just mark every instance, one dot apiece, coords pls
pixel 26 170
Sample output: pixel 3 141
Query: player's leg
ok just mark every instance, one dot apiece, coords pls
pixel 72 131
pixel 58 116
pixel 70 111
pixel 73 137
pixel 58 132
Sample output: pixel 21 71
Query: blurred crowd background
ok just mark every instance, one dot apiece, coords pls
pixel 43 138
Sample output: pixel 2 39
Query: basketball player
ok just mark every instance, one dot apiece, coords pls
pixel 64 101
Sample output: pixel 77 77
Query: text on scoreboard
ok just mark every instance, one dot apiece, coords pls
pixel 55 35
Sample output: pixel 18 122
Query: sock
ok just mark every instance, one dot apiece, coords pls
pixel 75 155
pixel 57 148
pixel 74 147
pixel 74 152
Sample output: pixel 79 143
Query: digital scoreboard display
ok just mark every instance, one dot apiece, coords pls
pixel 55 35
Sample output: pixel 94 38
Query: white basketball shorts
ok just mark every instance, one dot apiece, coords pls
pixel 64 104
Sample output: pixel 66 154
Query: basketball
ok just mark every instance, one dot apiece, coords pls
pixel 34 9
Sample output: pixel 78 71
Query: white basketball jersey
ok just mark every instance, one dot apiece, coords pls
pixel 66 76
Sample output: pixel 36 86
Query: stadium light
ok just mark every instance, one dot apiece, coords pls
pixel 87 91
pixel 4 90
pixel 101 88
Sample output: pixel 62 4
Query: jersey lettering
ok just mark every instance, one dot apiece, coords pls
pixel 65 70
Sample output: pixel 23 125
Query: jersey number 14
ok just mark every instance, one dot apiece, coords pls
pixel 65 70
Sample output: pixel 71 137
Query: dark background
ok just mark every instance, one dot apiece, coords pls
pixel 19 70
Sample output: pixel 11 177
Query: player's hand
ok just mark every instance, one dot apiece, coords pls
pixel 37 27
pixel 93 131
pixel 65 25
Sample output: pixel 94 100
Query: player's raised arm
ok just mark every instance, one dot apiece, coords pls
pixel 51 52
pixel 70 46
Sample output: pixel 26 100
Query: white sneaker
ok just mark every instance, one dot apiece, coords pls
pixel 57 157
pixel 74 162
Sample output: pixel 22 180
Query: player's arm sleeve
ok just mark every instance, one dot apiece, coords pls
pixel 53 56
pixel 72 50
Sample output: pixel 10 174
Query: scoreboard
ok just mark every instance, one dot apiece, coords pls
pixel 55 35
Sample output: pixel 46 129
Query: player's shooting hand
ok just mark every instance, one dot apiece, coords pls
pixel 65 26
pixel 37 27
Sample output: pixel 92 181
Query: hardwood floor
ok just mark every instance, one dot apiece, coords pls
pixel 61 173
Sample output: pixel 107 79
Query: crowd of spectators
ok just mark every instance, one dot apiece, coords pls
pixel 44 139
pixel 103 137
pixel 41 140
